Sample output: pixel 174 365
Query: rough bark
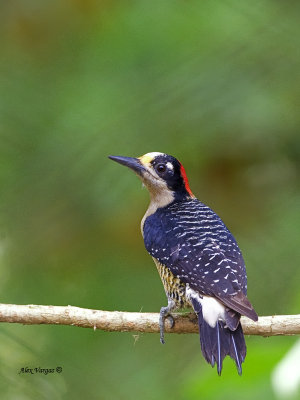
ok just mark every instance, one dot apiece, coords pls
pixel 134 321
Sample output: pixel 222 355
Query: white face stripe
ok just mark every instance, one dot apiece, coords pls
pixel 170 165
pixel 150 178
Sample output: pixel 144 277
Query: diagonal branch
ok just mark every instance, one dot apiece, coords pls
pixel 135 322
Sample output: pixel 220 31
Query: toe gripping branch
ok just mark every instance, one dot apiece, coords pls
pixel 164 313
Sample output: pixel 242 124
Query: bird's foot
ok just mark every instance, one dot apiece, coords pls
pixel 164 313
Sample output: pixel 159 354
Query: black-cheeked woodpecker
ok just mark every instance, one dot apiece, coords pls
pixel 198 259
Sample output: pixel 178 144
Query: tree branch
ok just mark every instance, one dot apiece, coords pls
pixel 135 322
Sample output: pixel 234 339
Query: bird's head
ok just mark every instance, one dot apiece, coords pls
pixel 162 174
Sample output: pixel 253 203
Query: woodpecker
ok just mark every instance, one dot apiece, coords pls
pixel 198 259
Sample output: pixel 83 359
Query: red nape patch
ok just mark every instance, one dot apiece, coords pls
pixel 185 180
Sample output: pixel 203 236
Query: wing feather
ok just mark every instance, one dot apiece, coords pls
pixel 193 242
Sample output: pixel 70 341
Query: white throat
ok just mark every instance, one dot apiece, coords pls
pixel 158 199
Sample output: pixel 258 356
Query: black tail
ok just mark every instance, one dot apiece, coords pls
pixel 218 342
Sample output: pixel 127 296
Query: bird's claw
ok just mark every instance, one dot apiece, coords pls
pixel 163 316
pixel 172 320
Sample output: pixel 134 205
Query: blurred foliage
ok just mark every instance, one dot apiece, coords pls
pixel 215 84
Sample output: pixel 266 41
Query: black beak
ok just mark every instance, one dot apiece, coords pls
pixel 130 162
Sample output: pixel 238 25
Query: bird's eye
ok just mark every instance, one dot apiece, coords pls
pixel 160 168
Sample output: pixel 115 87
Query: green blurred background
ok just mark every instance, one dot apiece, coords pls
pixel 214 83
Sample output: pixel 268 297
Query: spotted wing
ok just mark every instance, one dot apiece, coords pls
pixel 193 242
pixel 218 275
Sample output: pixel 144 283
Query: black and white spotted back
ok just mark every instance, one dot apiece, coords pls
pixel 194 243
